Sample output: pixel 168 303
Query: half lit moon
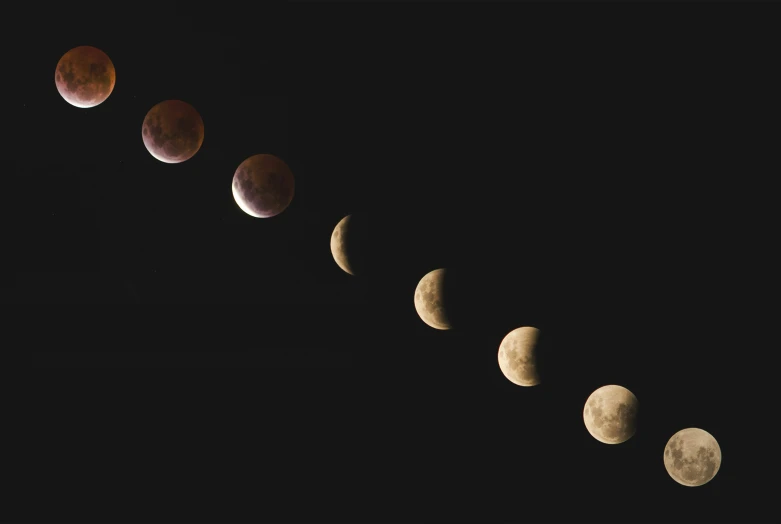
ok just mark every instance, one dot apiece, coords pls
pixel 518 356
pixel 430 300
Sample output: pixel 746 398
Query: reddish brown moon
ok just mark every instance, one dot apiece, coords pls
pixel 172 131
pixel 85 76
pixel 263 186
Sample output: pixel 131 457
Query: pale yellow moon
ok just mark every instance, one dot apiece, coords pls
pixel 692 457
pixel 430 300
pixel 348 244
pixel 610 414
pixel 518 356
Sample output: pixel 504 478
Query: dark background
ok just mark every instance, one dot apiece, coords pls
pixel 600 171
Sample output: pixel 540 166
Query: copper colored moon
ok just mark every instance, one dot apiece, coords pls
pixel 430 300
pixel 263 186
pixel 85 76
pixel 518 356
pixel 610 414
pixel 172 131
pixel 692 457
pixel 348 244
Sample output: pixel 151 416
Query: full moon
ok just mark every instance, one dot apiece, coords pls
pixel 430 300
pixel 518 358
pixel 348 244
pixel 263 186
pixel 85 76
pixel 611 414
pixel 692 457
pixel 172 131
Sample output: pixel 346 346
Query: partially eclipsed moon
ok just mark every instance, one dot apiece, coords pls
pixel 348 244
pixel 518 356
pixel 172 131
pixel 430 300
pixel 692 457
pixel 263 186
pixel 610 414
pixel 85 76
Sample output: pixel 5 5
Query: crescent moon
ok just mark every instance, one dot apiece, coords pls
pixel 349 244
pixel 339 245
pixel 430 300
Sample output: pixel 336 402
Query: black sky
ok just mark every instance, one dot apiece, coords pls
pixel 600 171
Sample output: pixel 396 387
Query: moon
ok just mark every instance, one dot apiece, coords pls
pixel 263 186
pixel 692 457
pixel 85 76
pixel 348 244
pixel 611 414
pixel 430 300
pixel 518 356
pixel 172 131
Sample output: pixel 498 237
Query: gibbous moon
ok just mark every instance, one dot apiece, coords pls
pixel 611 414
pixel 430 300
pixel 263 186
pixel 348 244
pixel 85 76
pixel 172 131
pixel 692 457
pixel 518 358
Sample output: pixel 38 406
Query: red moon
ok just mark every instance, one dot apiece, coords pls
pixel 263 186
pixel 85 76
pixel 172 131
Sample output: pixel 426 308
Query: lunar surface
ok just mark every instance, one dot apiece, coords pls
pixel 263 186
pixel 611 414
pixel 692 457
pixel 85 76
pixel 517 356
pixel 348 244
pixel 172 131
pixel 430 300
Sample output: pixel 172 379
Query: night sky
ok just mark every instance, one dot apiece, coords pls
pixel 598 171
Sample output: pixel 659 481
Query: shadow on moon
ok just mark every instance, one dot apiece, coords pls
pixel 440 299
pixel 172 131
pixel 85 76
pixel 349 244
pixel 263 186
